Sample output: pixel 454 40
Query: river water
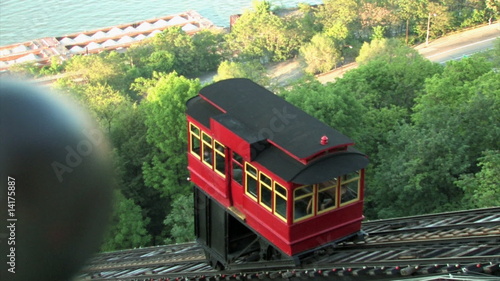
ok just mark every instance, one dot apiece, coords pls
pixel 24 20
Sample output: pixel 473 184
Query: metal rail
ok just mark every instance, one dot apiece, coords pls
pixel 485 216
pixel 460 242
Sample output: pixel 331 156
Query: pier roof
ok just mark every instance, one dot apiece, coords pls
pixel 40 51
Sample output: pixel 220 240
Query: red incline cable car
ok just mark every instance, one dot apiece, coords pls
pixel 271 182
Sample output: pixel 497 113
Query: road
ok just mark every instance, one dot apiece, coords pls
pixel 456 46
pixel 451 47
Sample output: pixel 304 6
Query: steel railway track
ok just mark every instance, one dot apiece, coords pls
pixel 466 242
pixel 479 217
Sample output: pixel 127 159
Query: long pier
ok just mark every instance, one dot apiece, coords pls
pixel 42 51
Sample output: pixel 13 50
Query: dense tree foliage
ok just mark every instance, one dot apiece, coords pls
pixel 132 151
pixel 165 106
pixel 455 122
pixel 332 105
pixel 481 188
pixel 321 54
pixel 127 228
pixel 164 116
pixel 260 33
pixel 190 54
pixel 252 70
pixel 384 49
pixel 338 17
pixel 180 221
pixel 104 102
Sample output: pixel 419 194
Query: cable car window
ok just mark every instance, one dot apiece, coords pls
pixel 220 159
pixel 303 202
pixel 351 176
pixel 195 140
pixel 280 198
pixel 251 181
pixel 237 168
pixel 349 188
pixel 327 196
pixel 208 153
pixel 266 192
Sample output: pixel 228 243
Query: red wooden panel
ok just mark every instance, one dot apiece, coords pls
pixel 230 139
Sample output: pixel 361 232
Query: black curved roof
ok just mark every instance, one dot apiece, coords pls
pixel 318 170
pixel 281 133
pixel 268 116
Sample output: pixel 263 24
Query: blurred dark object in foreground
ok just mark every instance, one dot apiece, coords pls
pixel 55 185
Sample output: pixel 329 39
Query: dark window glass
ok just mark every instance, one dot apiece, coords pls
pixel 266 193
pixel 280 199
pixel 303 202
pixel 251 181
pixel 220 158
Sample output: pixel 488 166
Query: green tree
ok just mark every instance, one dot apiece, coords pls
pixel 393 78
pixel 386 50
pixel 164 108
pixel 471 94
pixel 492 9
pixel 252 70
pixel 321 54
pixel 337 18
pixel 450 86
pixel 179 51
pixel 407 11
pixel 375 15
pixel 104 102
pixel 107 68
pixel 180 44
pixel 306 21
pixel 437 20
pixel 209 49
pixel 92 69
pixel 330 104
pixel 378 32
pixel 129 140
pixel 481 188
pixel 160 61
pixel 375 126
pixel 180 221
pixel 56 66
pixel 136 52
pixel 259 33
pixel 455 120
pixel 416 173
pixel 127 228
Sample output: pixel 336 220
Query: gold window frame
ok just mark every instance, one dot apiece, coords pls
pixel 207 141
pixel 319 190
pixel 222 154
pixel 248 174
pixel 277 195
pixel 194 135
pixel 310 204
pixel 267 185
pixel 348 181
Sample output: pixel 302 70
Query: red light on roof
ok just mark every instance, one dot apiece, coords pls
pixel 324 140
